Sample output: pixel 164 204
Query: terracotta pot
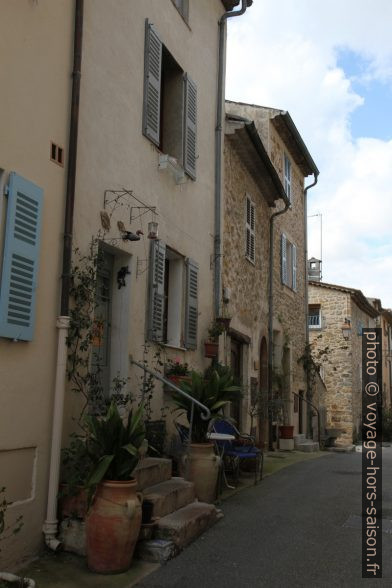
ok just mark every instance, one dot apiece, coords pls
pixel 203 469
pixel 211 349
pixel 72 506
pixel 113 526
pixel 286 432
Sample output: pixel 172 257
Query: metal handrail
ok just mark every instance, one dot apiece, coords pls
pixel 206 411
pixel 316 409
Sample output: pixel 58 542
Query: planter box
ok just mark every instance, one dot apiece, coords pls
pixel 286 432
pixel 177 380
pixel 211 349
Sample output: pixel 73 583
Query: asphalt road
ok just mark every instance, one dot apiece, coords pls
pixel 298 528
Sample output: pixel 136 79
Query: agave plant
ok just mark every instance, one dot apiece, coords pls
pixel 214 393
pixel 114 446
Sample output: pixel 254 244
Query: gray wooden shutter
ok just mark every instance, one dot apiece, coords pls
pixel 152 84
pixel 294 256
pixel 191 308
pixel 156 308
pixel 20 261
pixel 190 121
pixel 250 229
pixel 283 258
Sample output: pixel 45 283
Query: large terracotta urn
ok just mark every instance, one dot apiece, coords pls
pixel 112 526
pixel 203 470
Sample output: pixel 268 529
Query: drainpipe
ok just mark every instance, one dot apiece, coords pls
pixel 50 525
pixel 306 302
pixel 218 152
pixel 270 316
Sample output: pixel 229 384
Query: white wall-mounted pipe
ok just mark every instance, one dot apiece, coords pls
pixel 51 522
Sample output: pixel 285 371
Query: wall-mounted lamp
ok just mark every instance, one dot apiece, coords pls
pixel 152 230
pixel 346 329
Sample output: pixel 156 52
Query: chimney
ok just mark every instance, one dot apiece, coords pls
pixel 314 269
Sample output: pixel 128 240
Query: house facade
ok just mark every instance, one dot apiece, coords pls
pixel 336 317
pixel 287 309
pixel 36 44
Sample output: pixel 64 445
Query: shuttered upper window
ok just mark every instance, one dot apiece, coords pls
pixel 250 230
pixel 20 260
pixel 287 176
pixel 288 263
pixel 170 104
pixel 173 297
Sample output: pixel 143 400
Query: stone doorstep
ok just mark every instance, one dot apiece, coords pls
pixel 170 495
pixel 151 471
pixel 186 524
pixel 308 446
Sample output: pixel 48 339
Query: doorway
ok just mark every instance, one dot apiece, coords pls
pixel 301 412
pixel 236 367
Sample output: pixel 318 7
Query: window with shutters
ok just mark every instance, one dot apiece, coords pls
pixel 314 316
pixel 173 298
pixel 250 230
pixel 288 263
pixel 20 259
pixel 169 104
pixel 287 176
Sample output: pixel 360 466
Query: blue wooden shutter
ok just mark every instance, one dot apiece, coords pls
pixel 191 308
pixel 294 256
pixel 190 122
pixel 20 262
pixel 152 84
pixel 156 309
pixel 283 258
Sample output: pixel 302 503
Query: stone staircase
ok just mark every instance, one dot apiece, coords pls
pixel 301 443
pixel 177 520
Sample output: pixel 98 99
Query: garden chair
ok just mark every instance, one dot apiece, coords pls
pixel 235 452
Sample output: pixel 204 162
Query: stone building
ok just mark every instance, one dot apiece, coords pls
pixel 287 306
pixel 336 317
pixel 384 322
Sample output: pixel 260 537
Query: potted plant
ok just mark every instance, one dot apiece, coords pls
pixel 7 579
pixel 177 372
pixel 114 517
pixel 75 465
pixel 215 393
pixel 211 345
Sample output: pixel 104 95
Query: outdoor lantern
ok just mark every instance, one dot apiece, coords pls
pixel 346 329
pixel 152 230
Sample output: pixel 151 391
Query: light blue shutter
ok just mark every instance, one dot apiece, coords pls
pixel 294 255
pixel 20 262
pixel 190 121
pixel 283 258
pixel 191 309
pixel 156 309
pixel 152 84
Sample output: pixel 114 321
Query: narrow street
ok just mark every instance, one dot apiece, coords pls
pixel 300 527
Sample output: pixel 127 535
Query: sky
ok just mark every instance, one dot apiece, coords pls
pixel 330 65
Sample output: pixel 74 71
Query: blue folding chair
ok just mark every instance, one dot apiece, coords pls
pixel 236 453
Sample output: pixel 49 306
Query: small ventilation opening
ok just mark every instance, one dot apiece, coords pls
pixel 57 154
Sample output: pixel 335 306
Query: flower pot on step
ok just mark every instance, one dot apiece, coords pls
pixel 202 467
pixel 16 581
pixel 113 526
pixel 286 432
pixel 211 349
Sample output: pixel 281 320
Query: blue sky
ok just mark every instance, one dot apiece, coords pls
pixel 334 76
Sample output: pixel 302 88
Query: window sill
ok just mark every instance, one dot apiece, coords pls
pixel 169 163
pixel 176 347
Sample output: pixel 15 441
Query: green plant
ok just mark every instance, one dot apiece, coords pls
pixel 176 368
pixel 76 463
pixel 115 447
pixel 214 393
pixel 216 329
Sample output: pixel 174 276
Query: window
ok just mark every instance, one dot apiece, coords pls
pixel 287 176
pixel 250 230
pixel 183 8
pixel 173 297
pixel 170 104
pixel 288 263
pixel 314 317
pixel 20 259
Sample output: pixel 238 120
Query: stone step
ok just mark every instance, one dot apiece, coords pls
pixel 308 446
pixel 299 439
pixel 170 495
pixel 151 471
pixel 186 524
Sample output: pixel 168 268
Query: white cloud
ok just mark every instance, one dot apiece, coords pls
pixel 285 55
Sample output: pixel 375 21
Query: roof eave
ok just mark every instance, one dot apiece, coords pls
pixel 284 124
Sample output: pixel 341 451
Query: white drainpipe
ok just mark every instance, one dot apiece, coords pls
pixel 50 525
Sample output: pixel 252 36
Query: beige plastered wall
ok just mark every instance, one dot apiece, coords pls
pixel 36 40
pixel 113 154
